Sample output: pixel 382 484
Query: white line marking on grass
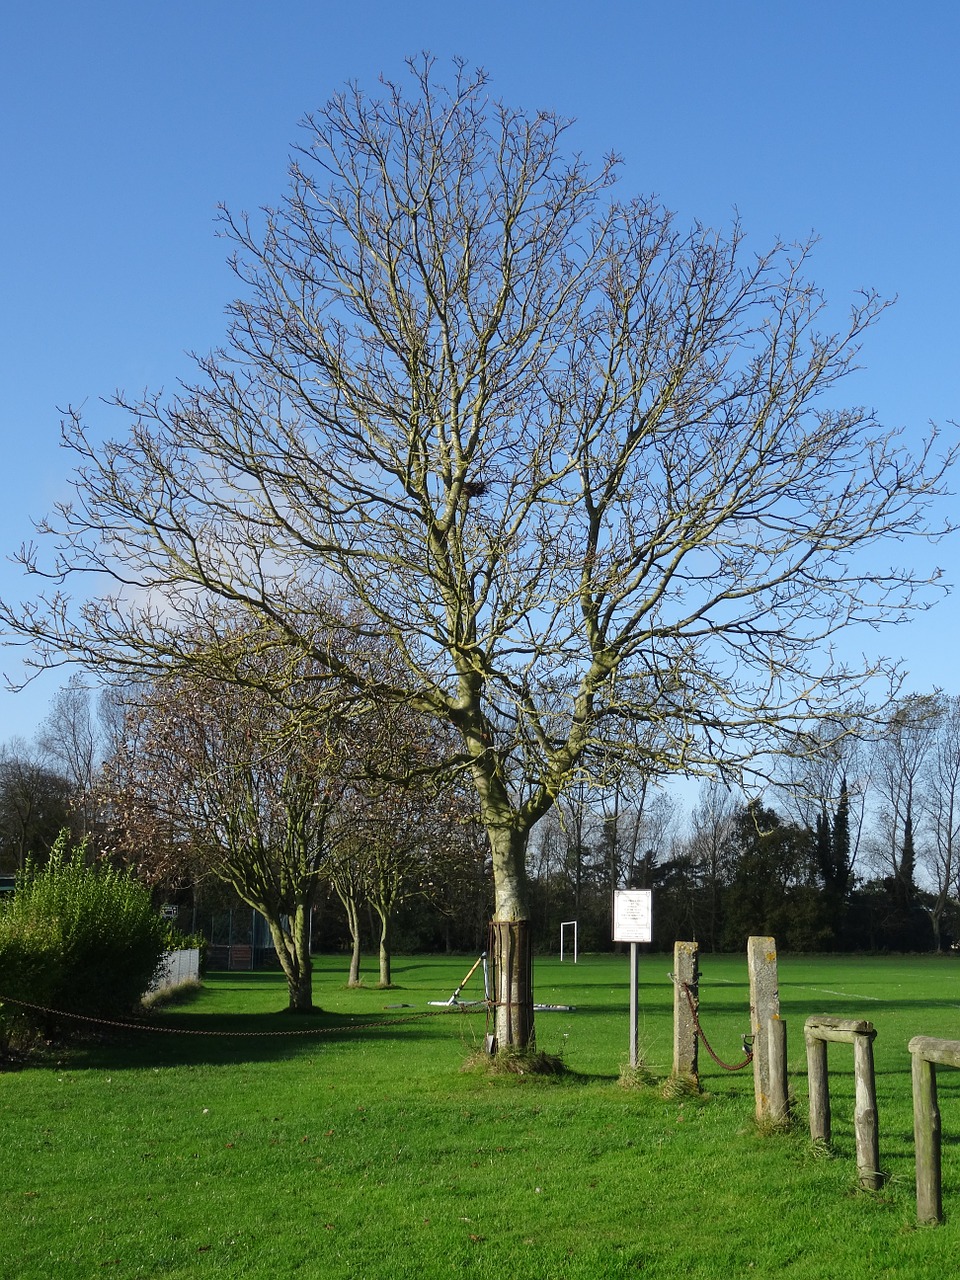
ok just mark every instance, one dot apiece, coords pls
pixel 847 995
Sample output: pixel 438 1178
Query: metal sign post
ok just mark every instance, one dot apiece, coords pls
pixel 633 923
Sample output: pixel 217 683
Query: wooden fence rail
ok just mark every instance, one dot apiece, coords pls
pixel 818 1032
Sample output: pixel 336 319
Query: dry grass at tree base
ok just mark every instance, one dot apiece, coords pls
pixel 515 1062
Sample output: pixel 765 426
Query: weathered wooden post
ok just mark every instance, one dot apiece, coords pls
pixel 686 1001
pixel 818 1085
pixel 866 1124
pixel 779 1093
pixel 818 1031
pixel 926 1053
pixel 926 1139
pixel 764 1005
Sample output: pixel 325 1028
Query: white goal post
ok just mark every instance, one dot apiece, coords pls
pixel 564 925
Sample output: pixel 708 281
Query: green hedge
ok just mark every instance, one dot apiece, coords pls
pixel 77 938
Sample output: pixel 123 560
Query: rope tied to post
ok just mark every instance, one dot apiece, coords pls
pixel 747 1039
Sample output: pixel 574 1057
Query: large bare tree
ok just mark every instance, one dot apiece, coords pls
pixel 903 752
pixel 585 468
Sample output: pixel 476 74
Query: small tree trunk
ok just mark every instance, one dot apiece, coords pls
pixel 293 952
pixel 936 915
pixel 384 948
pixel 300 994
pixel 353 923
pixel 511 942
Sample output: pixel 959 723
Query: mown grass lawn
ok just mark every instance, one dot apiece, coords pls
pixel 365 1151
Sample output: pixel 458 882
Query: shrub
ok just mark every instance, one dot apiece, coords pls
pixel 31 953
pixel 78 939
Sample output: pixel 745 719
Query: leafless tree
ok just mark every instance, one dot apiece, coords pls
pixel 408 828
pixel 346 874
pixel 71 739
pixel 36 804
pixel 940 807
pixel 218 778
pixel 585 468
pixel 904 747
pixel 822 766
pixel 712 826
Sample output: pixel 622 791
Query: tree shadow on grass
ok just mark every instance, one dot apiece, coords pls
pixel 866 1006
pixel 174 1038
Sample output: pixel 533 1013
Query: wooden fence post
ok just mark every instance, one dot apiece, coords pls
pixel 779 1111
pixel 764 1005
pixel 926 1053
pixel 818 1031
pixel 865 1122
pixel 926 1137
pixel 819 1088
pixel 686 976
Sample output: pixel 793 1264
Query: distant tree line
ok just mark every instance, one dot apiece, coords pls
pixel 853 847
pixel 742 869
pixel 327 827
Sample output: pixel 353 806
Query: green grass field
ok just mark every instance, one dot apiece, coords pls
pixel 365 1151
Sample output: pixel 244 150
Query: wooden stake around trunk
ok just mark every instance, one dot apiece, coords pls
pixel 511 953
pixel 779 1112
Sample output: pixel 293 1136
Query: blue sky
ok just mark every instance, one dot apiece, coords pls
pixel 123 124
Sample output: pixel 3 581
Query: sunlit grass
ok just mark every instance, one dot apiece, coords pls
pixel 366 1151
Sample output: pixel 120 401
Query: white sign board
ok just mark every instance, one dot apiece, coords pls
pixel 633 915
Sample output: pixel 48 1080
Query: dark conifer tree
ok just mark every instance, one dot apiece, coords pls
pixel 905 887
pixel 840 844
pixel 823 849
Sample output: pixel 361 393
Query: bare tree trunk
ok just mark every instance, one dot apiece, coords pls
pixel 512 954
pixel 936 915
pixel 353 923
pixel 384 916
pixel 293 952
pixel 511 943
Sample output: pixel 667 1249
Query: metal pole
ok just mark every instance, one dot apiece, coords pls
pixel 634 1004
